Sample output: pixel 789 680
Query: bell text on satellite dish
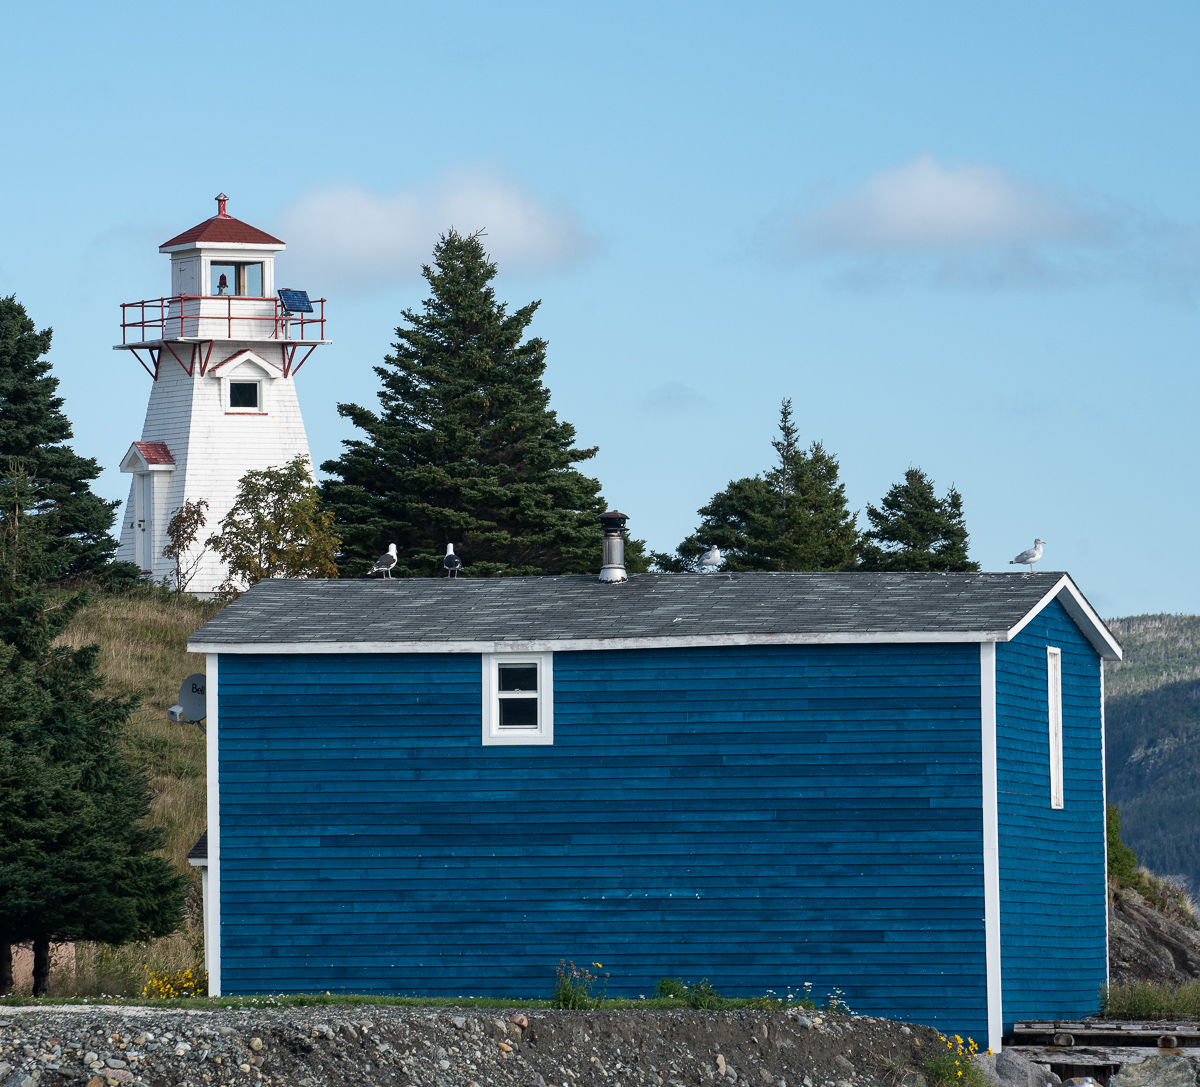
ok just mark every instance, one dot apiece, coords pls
pixel 192 698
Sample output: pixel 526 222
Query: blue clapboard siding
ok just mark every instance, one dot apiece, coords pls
pixel 1052 894
pixel 761 817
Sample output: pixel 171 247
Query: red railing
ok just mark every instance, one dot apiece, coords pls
pixel 197 316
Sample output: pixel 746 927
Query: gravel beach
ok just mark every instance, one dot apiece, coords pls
pixel 365 1045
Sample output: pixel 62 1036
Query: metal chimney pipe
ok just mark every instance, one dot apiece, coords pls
pixel 613 570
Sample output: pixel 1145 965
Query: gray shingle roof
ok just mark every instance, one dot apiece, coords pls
pixel 466 610
pixel 199 852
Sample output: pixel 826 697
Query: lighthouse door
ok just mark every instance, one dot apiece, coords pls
pixel 146 522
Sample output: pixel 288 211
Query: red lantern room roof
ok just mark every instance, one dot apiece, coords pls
pixel 223 228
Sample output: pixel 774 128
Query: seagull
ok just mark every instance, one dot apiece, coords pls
pixel 451 562
pixel 710 560
pixel 385 562
pixel 1028 558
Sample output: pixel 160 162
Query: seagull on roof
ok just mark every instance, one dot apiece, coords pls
pixel 384 563
pixel 1028 558
pixel 710 560
pixel 451 562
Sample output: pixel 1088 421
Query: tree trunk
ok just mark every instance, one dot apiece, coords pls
pixel 6 978
pixel 41 967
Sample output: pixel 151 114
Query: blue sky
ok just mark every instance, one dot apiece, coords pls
pixel 959 237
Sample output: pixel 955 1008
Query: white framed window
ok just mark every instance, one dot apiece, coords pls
pixel 243 393
pixel 518 698
pixel 1054 703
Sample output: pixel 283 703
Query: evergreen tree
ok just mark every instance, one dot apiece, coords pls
pixel 75 855
pixel 465 449
pixel 34 428
pixel 913 529
pixel 792 518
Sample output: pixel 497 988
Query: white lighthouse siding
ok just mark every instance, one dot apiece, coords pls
pixel 212 446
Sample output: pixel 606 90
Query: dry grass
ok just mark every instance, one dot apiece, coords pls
pixel 143 640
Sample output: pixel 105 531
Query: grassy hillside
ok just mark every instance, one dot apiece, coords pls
pixel 1153 741
pixel 143 639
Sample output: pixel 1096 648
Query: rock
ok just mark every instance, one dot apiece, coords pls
pixel 95 1081
pixel 804 1021
pixel 767 1077
pixel 913 1079
pixel 5 1069
pixel 256 1043
pixel 460 1023
pixel 905 1030
pixel 20 1079
pixel 89 1058
pixel 520 1020
pixel 721 1063
pixel 243 1068
pixel 348 1032
pixel 112 1062
pixel 444 1065
pixel 1156 1072
pixel 535 1078
pixel 844 1064
pixel 1007 1069
pixel 1147 945
pixel 225 1032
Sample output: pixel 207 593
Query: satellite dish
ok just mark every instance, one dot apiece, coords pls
pixel 192 699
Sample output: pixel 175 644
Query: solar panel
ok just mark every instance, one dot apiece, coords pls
pixel 295 301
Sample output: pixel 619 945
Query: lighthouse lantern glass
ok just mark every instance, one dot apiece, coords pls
pixel 245 280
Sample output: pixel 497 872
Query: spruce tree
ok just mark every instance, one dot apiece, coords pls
pixel 34 428
pixel 794 517
pixel 75 854
pixel 465 449
pixel 913 529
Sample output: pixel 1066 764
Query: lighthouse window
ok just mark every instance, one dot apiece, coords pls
pixel 250 280
pixel 237 279
pixel 224 278
pixel 243 394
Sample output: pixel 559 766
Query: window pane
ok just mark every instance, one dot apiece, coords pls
pixel 518 712
pixel 518 677
pixel 243 394
pixel 224 278
pixel 254 280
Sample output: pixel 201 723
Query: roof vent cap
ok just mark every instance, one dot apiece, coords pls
pixel 613 570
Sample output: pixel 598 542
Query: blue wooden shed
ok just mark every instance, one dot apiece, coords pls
pixel 892 784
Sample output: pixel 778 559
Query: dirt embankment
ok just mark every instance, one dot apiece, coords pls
pixel 332 1047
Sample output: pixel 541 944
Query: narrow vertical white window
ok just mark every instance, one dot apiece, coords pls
pixel 1054 702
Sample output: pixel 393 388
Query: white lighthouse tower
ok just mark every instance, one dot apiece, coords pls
pixel 223 349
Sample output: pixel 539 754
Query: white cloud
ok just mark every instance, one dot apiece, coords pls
pixel 354 240
pixel 981 227
pixel 925 208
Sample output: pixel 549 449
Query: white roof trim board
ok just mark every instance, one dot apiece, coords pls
pixel 562 614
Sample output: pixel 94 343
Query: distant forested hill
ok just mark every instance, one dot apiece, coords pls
pixel 1152 749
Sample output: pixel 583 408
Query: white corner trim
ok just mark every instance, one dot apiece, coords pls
pixel 567 645
pixel 212 915
pixel 493 735
pixel 1104 823
pixel 1077 607
pixel 991 844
